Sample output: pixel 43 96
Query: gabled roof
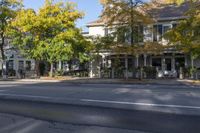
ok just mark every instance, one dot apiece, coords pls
pixel 96 22
pixel 162 13
pixel 170 12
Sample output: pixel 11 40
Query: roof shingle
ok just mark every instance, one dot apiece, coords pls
pixel 164 12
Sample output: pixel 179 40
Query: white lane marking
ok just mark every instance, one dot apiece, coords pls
pixel 105 101
pixel 142 104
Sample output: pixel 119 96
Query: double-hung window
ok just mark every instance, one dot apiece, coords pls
pixel 159 30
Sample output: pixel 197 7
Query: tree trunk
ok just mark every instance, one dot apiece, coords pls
pixel 3 39
pixel 126 67
pixel 51 71
pixel 132 23
pixel 4 66
pixel 2 45
pixel 192 66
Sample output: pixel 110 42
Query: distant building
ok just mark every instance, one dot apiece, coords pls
pixel 16 63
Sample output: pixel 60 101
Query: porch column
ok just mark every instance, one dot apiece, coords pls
pixel 103 61
pixel 24 64
pixel 4 69
pixel 126 67
pixel 163 64
pixel 112 73
pixel 137 61
pixel 32 64
pixel 186 61
pixel 145 60
pixel 90 70
pixel 150 60
pixel 173 62
pixel 16 64
pixel 102 66
pixel 192 62
pixel 60 65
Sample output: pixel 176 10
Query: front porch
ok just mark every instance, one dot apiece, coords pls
pixel 166 65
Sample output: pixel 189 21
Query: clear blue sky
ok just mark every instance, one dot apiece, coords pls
pixel 91 8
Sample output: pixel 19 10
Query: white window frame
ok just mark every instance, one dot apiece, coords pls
pixel 165 25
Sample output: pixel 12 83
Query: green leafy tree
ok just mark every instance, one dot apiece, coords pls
pixel 8 9
pixel 127 17
pixel 49 34
pixel 186 35
pixel 126 20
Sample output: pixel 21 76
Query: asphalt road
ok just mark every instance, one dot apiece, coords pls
pixel 20 124
pixel 149 108
pixel 146 121
pixel 180 95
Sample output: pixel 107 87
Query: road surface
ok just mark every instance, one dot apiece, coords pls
pixel 148 108
pixel 19 124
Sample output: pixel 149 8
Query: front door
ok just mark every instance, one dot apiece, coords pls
pixel 168 64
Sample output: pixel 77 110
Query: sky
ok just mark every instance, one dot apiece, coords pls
pixel 91 8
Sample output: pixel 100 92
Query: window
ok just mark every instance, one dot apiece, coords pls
pixel 138 35
pixel 168 64
pixel 28 65
pixel 148 32
pixel 157 32
pixel 10 64
pixel 160 30
pixel 156 62
pixel 121 37
pixel 166 28
pixel 128 37
pixel 174 25
pixel 21 65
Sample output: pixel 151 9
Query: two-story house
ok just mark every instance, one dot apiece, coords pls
pixel 16 64
pixel 169 63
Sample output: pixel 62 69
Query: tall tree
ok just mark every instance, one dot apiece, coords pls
pixel 49 34
pixel 8 9
pixel 186 35
pixel 127 16
pixel 126 19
